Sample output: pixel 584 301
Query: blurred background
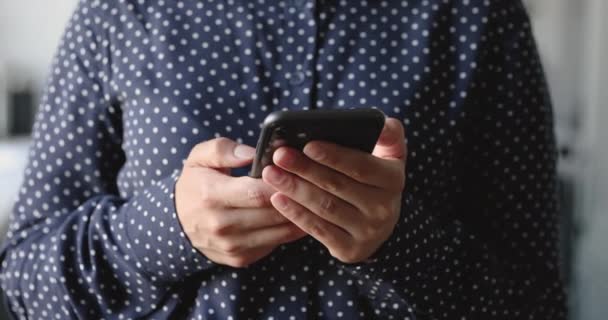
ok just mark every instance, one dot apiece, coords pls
pixel 573 40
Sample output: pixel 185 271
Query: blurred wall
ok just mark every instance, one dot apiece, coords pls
pixel 591 292
pixel 29 33
pixel 595 93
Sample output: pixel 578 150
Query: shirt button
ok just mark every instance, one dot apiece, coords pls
pixel 297 78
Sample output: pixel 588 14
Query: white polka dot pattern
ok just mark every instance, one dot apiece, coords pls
pixel 136 84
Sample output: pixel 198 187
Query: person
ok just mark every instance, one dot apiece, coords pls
pixel 136 201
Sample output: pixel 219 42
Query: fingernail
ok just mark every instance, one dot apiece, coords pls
pixel 313 152
pixel 244 151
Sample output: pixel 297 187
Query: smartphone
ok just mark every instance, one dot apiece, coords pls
pixel 352 128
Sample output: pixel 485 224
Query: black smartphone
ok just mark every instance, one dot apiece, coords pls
pixel 353 128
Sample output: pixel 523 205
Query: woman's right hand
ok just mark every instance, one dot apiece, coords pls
pixel 228 219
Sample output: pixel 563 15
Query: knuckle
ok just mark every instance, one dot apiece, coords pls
pixel 359 172
pixel 332 185
pixel 379 222
pixel 218 145
pixel 295 213
pixel 222 141
pixel 383 216
pixel 210 148
pixel 207 198
pixel 193 230
pixel 257 197
pixel 213 151
pixel 382 210
pixel 367 233
pixel 197 150
pixel 319 230
pixel 239 262
pixel 201 241
pixel 346 256
pixel 276 217
pixel 218 228
pixel 231 248
pixel 328 205
pixel 290 185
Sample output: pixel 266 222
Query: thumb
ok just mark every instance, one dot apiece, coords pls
pixel 391 143
pixel 221 153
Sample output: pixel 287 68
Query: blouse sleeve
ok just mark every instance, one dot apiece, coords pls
pixel 501 261
pixel 76 248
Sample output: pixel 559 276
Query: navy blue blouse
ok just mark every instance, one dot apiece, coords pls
pixel 137 84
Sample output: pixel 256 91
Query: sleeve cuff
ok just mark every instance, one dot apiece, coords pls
pixel 162 249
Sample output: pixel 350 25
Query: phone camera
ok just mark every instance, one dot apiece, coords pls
pixel 280 132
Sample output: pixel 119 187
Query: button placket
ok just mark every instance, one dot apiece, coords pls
pixel 297 78
pixel 301 27
pixel 299 3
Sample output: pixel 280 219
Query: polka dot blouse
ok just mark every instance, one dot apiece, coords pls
pixel 137 84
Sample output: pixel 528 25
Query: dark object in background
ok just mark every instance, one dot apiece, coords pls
pixel 569 229
pixel 21 111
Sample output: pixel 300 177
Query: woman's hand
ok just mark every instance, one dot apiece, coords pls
pixel 347 199
pixel 230 220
